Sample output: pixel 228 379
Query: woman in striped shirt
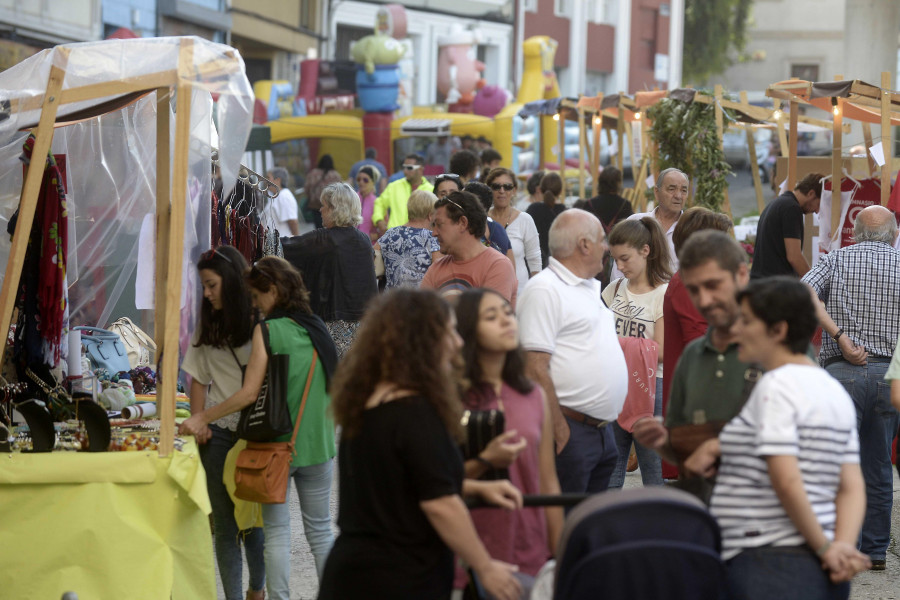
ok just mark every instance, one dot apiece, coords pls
pixel 789 493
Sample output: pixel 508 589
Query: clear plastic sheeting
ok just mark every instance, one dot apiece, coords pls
pixel 111 165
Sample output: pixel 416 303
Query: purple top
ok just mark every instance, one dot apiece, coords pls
pixel 368 205
pixel 518 537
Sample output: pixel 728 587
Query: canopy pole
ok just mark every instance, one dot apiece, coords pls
pixel 886 142
pixel 166 392
pixel 792 155
pixel 582 144
pixel 561 149
pixel 754 165
pixel 720 133
pixel 837 168
pixel 32 186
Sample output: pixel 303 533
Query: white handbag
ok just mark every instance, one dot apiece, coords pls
pixel 140 347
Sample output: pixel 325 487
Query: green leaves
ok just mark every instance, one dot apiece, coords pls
pixel 714 36
pixel 685 135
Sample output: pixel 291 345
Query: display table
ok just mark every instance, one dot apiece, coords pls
pixel 105 525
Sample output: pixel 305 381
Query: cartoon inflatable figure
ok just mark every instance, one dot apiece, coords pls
pixel 490 101
pixel 382 47
pixel 459 73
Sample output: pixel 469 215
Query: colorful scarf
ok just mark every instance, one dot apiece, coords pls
pixel 51 225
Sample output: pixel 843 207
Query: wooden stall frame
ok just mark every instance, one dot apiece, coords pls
pixel 170 206
pixel 881 99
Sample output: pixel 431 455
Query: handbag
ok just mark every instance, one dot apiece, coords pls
pixel 262 468
pixel 140 347
pixel 481 427
pixel 104 349
pixel 269 416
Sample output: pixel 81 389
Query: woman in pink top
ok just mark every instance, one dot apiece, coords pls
pixel 494 367
pixel 366 182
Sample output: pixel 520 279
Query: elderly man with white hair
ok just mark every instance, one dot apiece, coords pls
pixel 860 288
pixel 572 351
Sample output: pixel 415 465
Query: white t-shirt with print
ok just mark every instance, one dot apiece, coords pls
pixel 636 314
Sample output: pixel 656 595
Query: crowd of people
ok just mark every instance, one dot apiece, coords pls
pixel 591 330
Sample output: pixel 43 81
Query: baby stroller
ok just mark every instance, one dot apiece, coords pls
pixel 658 543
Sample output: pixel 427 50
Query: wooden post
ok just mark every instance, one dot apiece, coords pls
pixel 620 133
pixel 886 141
pixel 792 156
pixel 837 169
pixel 867 137
pixel 561 150
pixel 754 166
pixel 779 124
pixel 720 132
pixel 30 189
pixel 539 147
pixel 163 200
pixel 582 145
pixel 166 392
pixel 597 125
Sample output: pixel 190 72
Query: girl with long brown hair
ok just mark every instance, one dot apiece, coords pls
pixel 641 252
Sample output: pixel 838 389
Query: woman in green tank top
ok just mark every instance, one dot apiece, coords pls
pixel 278 292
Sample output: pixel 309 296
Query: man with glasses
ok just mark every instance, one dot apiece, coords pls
pixel 392 201
pixel 459 222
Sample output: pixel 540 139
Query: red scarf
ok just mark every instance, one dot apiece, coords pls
pixel 51 217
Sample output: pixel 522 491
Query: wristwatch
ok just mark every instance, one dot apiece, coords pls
pixel 839 333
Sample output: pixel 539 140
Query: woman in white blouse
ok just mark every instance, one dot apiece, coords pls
pixel 520 228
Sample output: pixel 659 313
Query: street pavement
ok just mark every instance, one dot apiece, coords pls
pixel 883 585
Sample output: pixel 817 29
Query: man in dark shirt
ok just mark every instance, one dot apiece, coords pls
pixel 779 235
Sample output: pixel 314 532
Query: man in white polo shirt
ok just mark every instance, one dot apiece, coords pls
pixel 572 351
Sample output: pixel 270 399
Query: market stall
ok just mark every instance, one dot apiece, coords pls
pixel 850 99
pixel 133 121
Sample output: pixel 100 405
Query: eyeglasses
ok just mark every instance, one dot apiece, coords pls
pixel 411 167
pixel 502 186
pixel 209 254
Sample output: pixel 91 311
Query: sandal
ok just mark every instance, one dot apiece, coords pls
pixel 260 595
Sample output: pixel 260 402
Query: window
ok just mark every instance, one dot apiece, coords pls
pixel 807 72
pixel 603 11
pixel 306 16
pixel 530 5
pixel 562 8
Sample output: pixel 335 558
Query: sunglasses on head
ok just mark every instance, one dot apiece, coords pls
pixel 449 201
pixel 446 177
pixel 502 186
pixel 410 167
pixel 209 254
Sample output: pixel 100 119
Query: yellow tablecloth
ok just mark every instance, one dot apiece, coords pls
pixel 112 525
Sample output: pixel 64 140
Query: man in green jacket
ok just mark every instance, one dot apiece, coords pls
pixel 392 201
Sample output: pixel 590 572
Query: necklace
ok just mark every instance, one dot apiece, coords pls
pixel 497 218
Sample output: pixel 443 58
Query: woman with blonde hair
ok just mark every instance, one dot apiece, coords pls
pixel 404 253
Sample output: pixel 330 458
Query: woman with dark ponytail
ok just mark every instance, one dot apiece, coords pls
pixel 641 252
pixel 544 212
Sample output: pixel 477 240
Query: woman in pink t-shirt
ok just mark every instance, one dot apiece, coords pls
pixel 494 367
pixel 366 182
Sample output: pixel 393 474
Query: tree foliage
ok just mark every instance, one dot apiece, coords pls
pixel 685 135
pixel 714 36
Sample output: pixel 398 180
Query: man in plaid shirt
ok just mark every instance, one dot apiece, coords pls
pixel 860 287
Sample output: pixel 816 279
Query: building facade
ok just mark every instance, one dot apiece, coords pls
pixel 593 57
